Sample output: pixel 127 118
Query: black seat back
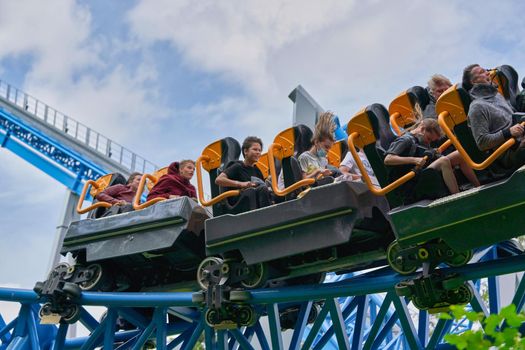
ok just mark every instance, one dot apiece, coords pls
pixel 456 101
pixel 506 78
pixel 402 108
pixel 294 141
pixel 419 95
pixel 220 154
pixel 375 136
pixel 105 182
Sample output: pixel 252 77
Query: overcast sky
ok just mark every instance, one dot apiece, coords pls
pixel 165 78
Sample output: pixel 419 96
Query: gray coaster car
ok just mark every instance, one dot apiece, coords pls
pixel 157 246
pixel 340 226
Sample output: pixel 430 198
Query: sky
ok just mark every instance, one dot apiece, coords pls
pixel 165 78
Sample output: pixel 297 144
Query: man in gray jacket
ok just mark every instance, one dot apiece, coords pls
pixel 490 117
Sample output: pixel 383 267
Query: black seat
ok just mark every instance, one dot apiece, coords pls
pixel 109 180
pixel 216 157
pixel 429 183
pixel 456 101
pixel 419 95
pixel 290 165
pixel 507 79
pixel 286 147
pixel 402 108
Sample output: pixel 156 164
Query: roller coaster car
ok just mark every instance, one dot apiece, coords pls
pixel 432 231
pixel 159 246
pixel 340 226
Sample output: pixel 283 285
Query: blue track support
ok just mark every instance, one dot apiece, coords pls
pixel 348 312
pixel 422 328
pixel 338 324
pixel 48 155
pixel 275 327
pixel 357 337
pixel 300 325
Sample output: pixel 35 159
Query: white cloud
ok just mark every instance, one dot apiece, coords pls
pixel 234 38
pixel 350 54
pixel 55 33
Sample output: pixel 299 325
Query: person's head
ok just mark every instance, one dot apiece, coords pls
pixel 323 138
pixel 134 180
pixel 187 168
pixel 475 74
pixel 429 130
pixel 438 84
pixel 251 149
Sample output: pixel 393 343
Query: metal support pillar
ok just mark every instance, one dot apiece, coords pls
pixel 69 214
pixel 305 108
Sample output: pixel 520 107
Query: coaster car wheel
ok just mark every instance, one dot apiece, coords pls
pixel 258 275
pixel 62 270
pixel 207 270
pixel 45 310
pixel 246 316
pixel 314 312
pixel 461 295
pixel 458 259
pixel 419 303
pixel 212 317
pixel 71 313
pixel 403 289
pixel 399 263
pixel 97 278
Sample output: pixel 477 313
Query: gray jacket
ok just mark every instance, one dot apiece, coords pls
pixel 489 117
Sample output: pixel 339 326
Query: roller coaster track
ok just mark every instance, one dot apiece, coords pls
pixel 373 326
pixel 354 311
pixel 57 144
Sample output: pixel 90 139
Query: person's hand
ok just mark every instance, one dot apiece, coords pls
pixel 355 177
pixel 517 130
pixel 420 161
pixel 121 202
pixel 246 184
pixel 173 196
pixel 326 172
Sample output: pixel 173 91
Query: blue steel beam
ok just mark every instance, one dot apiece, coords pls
pixel 64 165
pixel 20 330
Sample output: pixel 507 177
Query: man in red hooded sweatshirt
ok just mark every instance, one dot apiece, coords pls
pixel 176 183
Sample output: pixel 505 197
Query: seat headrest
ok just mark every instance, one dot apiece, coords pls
pixel 220 153
pixel 293 141
pixel 420 95
pixel 379 118
pixel 507 77
pixel 231 150
pixel 106 181
pixel 303 138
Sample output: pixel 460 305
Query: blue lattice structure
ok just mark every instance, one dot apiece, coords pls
pixel 65 149
pixel 64 165
pixel 362 321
